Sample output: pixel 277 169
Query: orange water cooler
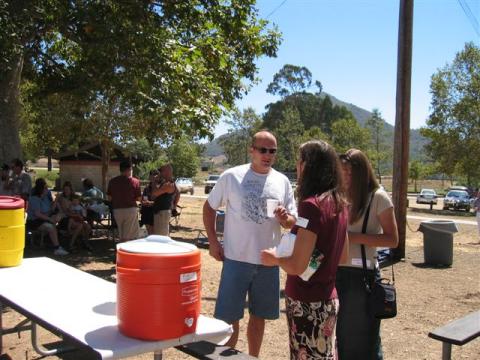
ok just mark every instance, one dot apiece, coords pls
pixel 158 288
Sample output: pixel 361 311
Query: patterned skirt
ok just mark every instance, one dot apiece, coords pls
pixel 311 327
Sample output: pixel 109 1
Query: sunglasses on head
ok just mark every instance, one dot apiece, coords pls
pixel 263 150
pixel 344 158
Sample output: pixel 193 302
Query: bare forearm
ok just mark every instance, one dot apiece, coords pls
pixel 374 240
pixel 290 266
pixel 209 216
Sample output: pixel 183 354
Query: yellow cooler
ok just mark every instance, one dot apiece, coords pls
pixel 12 230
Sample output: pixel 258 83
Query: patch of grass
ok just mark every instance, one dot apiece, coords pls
pixel 49 176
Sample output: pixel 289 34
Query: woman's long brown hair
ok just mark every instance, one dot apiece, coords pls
pixel 321 175
pixel 362 184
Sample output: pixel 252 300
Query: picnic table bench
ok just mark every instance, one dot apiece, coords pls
pixel 457 332
pixel 82 308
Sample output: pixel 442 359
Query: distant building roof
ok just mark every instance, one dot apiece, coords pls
pixel 93 151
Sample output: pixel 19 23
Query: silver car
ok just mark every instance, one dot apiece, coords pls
pixel 185 185
pixel 427 196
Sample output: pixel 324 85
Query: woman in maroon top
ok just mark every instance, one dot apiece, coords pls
pixel 321 231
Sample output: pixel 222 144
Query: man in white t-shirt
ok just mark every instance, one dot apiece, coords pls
pixel 244 191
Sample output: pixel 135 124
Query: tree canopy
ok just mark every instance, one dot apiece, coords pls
pixel 291 79
pixel 175 65
pixel 454 124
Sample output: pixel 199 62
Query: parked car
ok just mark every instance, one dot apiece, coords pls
pixel 185 185
pixel 427 196
pixel 457 200
pixel 462 188
pixel 210 183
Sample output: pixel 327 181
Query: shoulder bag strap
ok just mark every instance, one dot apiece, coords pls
pixel 364 231
pixel 364 257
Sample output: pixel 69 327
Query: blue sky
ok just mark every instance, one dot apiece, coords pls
pixel 351 47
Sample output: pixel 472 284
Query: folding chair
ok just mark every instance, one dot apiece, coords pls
pixel 35 237
pixel 175 216
pixel 202 238
pixel 105 222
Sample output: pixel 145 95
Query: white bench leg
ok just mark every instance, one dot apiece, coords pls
pixel 446 351
pixel 42 351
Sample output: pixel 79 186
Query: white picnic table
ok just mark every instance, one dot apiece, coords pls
pixel 82 307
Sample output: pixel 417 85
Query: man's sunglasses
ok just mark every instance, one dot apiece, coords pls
pixel 263 150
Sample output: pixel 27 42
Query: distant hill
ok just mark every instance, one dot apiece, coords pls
pixel 360 114
pixel 417 141
pixel 213 148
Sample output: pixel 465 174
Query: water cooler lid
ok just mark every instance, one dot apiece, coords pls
pixel 156 244
pixel 10 203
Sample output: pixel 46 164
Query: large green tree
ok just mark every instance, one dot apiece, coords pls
pixel 347 133
pixel 454 124
pixel 289 134
pixel 293 83
pixel 184 157
pixel 291 79
pixel 176 65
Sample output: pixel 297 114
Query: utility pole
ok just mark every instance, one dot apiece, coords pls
pixel 402 122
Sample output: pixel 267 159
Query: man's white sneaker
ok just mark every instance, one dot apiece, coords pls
pixel 60 251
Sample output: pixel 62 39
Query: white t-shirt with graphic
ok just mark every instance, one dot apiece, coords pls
pixel 244 193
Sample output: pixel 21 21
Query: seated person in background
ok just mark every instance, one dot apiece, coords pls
pixel 94 199
pixel 40 208
pixel 64 203
pixel 77 224
pixel 77 208
pixel 146 210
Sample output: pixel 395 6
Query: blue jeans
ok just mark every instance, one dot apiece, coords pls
pixel 358 333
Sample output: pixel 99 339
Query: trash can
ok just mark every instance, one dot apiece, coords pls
pixel 438 241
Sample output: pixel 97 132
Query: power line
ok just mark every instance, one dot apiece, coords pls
pixel 470 16
pixel 274 10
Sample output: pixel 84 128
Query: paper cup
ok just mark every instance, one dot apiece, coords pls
pixel 271 206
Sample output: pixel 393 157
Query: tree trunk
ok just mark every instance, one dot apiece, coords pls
pixel 10 147
pixel 105 163
pixel 49 159
pixel 379 173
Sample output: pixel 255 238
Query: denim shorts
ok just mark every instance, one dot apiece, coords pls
pixel 260 282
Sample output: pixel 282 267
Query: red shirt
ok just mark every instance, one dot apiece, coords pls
pixel 124 191
pixel 331 230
